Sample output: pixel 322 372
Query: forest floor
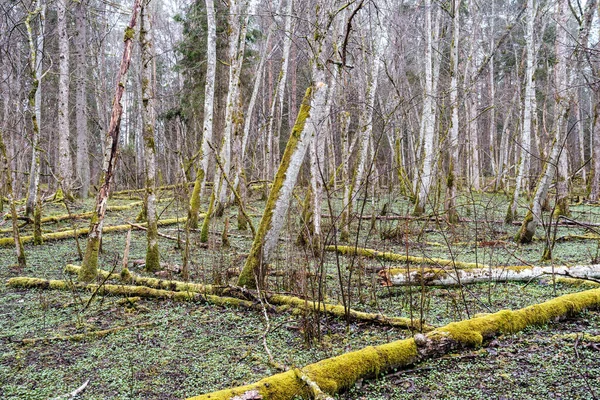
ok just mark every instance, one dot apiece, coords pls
pixel 194 348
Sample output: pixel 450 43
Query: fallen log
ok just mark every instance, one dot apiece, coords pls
pixel 281 300
pixel 84 230
pixel 339 373
pixel 154 283
pixel 449 277
pixel 340 312
pixel 388 256
pixel 130 291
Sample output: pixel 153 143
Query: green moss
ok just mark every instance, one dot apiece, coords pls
pixel 129 34
pixel 194 207
pixel 207 216
pixel 525 233
pixel 388 256
pixel 89 266
pixel 254 265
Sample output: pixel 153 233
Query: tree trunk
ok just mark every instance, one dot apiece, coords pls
pixel 595 178
pixel 149 136
pixel 448 277
pixel 450 203
pixel 65 165
pixel 35 102
pixel 561 95
pixel 6 172
pixel 525 143
pixel 207 129
pixel 427 119
pixel 81 121
pixel 340 373
pixel 265 241
pixel 237 41
pixel 90 260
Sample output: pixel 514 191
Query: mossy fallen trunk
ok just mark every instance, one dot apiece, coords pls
pixel 130 291
pixel 388 256
pixel 155 283
pixel 451 277
pixel 340 311
pixel 294 302
pixel 339 373
pixel 82 231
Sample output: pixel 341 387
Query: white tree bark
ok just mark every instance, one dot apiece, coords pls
pixel 273 219
pixel 449 277
pixel 562 97
pixel 149 136
pixel 366 116
pixel 207 127
pixel 427 118
pixel 209 89
pixel 525 142
pixel 81 121
pixel 35 57
pixel 453 169
pixel 65 164
pixel 238 17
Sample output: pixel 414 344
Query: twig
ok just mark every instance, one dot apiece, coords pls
pixel 74 393
pixel 159 234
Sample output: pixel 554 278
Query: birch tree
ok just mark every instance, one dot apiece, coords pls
pixel 525 142
pixel 81 121
pixel 148 124
pixel 89 267
pixel 238 25
pixel 561 96
pixel 427 118
pixel 207 127
pixel 36 50
pixel 65 166
pixel 366 115
pixel 450 203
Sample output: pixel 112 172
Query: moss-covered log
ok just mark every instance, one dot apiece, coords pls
pixel 340 311
pixel 340 373
pixel 155 283
pixel 82 231
pixel 282 300
pixel 387 256
pixel 451 277
pixel 130 291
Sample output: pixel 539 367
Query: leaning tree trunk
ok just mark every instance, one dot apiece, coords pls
pixel 90 260
pixel 35 102
pixel 65 167
pixel 207 130
pixel 265 241
pixel 82 158
pixel 562 94
pixel 148 119
pixel 6 171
